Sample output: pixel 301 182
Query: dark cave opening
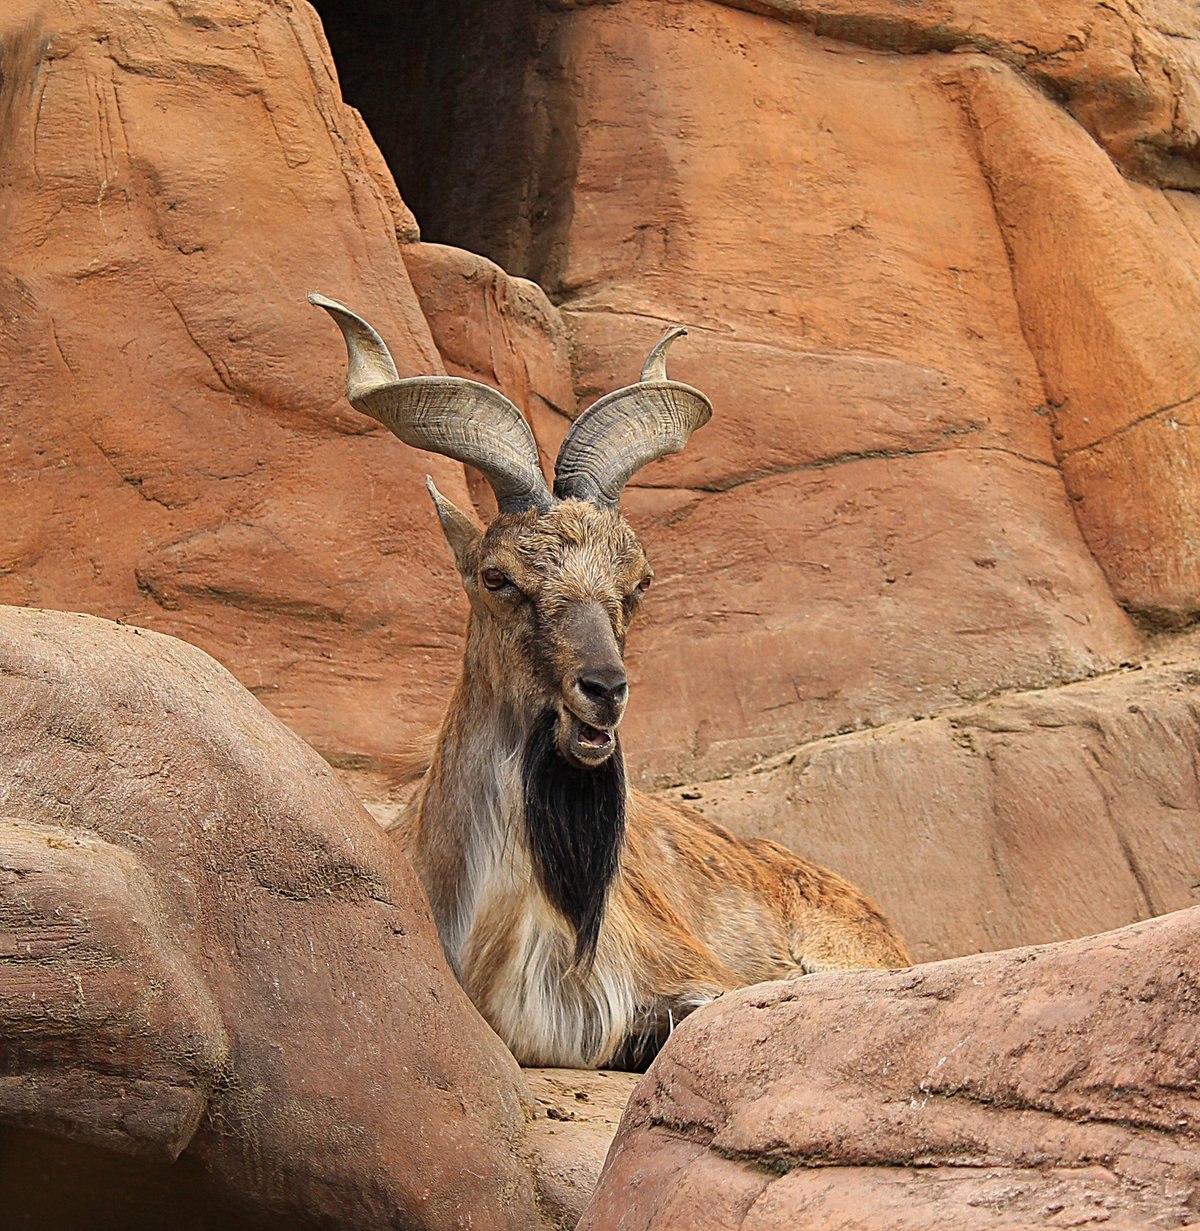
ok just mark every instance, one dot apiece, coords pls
pixel 465 100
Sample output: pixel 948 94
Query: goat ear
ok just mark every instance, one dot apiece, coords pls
pixel 461 532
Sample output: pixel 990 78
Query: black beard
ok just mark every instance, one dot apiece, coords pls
pixel 575 827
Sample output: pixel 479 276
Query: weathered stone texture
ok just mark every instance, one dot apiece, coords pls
pixel 1033 1088
pixel 1107 274
pixel 940 267
pixel 1020 820
pixel 941 264
pixel 823 221
pixel 210 947
pixel 1126 71
pixel 110 1035
pixel 502 331
pixel 879 246
pixel 178 453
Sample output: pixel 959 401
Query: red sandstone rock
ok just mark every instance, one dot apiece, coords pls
pixel 1033 1088
pixel 902 267
pixel 1127 72
pixel 839 228
pixel 211 948
pixel 858 512
pixel 1017 821
pixel 503 332
pixel 1119 354
pixel 791 591
pixel 858 319
pixel 177 448
pixel 110 1034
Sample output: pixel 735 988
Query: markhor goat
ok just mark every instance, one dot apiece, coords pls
pixel 582 918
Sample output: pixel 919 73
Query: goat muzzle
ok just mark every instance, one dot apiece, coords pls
pixel 594 685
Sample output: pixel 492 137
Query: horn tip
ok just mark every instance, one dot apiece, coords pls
pixel 655 367
pixel 337 310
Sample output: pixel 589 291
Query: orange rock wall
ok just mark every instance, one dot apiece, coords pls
pixel 940 263
pixel 176 449
pixel 880 480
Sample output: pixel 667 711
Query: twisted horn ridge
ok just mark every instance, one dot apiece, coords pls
pixel 458 418
pixel 624 431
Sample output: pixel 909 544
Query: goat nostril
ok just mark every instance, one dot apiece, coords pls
pixel 604 687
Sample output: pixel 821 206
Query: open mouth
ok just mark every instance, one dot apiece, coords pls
pixel 587 743
pixel 593 737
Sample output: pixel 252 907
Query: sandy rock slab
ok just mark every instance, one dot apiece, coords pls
pixel 215 964
pixel 1042 1087
pixel 1028 818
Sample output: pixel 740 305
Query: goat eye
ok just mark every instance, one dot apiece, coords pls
pixel 494 579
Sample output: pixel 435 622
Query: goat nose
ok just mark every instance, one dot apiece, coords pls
pixel 606 685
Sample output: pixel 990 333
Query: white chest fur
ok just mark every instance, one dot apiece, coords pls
pixel 545 1010
pixel 512 951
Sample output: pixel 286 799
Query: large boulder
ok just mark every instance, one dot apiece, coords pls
pixel 212 953
pixel 111 1035
pixel 1051 1087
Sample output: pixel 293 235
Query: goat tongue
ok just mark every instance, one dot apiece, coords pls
pixel 593 737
